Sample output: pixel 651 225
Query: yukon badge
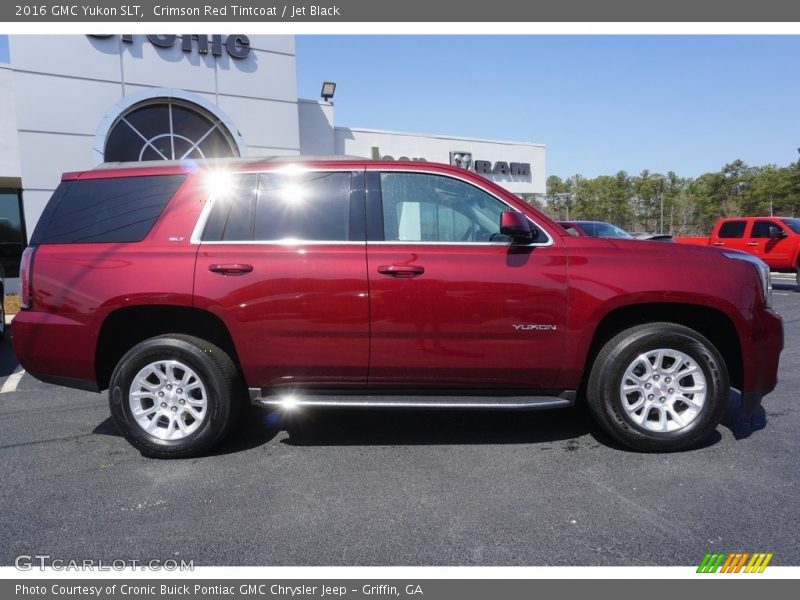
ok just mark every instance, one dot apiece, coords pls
pixel 535 327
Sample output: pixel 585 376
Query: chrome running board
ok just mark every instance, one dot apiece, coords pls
pixel 297 399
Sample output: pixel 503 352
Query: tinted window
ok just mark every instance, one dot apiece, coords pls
pixel 732 229
pixel 231 218
pixel 432 208
pixel 793 224
pixel 761 229
pixel 309 206
pixel 120 209
pixel 571 229
pixel 12 236
pixel 607 230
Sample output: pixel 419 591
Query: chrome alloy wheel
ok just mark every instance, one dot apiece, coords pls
pixel 168 400
pixel 663 390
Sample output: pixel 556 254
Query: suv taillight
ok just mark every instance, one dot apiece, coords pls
pixel 26 278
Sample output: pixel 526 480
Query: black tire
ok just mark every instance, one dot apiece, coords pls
pixel 605 398
pixel 212 366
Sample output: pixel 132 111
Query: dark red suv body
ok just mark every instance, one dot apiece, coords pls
pixel 375 283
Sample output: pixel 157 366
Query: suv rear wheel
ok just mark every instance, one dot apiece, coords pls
pixel 658 387
pixel 174 396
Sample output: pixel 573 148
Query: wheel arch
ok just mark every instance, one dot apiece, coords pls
pixel 125 327
pixel 712 323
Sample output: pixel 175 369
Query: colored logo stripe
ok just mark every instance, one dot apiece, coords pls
pixel 758 563
pixel 733 563
pixel 710 563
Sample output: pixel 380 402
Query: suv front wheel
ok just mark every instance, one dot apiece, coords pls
pixel 658 387
pixel 174 396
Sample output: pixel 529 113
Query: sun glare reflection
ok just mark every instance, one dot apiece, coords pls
pixel 219 184
pixel 292 194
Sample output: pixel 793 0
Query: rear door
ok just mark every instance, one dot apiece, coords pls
pixel 283 263
pixel 731 235
pixel 453 303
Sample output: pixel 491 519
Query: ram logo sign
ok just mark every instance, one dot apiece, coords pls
pixel 486 167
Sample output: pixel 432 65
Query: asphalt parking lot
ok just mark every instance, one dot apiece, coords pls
pixel 399 488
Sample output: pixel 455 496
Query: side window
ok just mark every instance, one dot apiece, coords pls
pixel 310 206
pixel 432 208
pixel 118 209
pixel 231 218
pixel 571 230
pixel 732 229
pixel 761 229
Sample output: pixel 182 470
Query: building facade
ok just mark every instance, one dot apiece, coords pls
pixel 72 102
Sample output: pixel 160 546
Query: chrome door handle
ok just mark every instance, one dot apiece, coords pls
pixel 231 269
pixel 401 271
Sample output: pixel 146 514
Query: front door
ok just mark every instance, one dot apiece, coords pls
pixel 452 302
pixel 776 252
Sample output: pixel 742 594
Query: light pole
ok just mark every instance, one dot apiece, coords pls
pixel 661 179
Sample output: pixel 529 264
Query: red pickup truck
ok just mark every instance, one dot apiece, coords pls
pixel 187 288
pixel 775 240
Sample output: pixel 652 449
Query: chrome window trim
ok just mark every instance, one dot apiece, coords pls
pixel 289 243
pixel 200 226
pixel 202 220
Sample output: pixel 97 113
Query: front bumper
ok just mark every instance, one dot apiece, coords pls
pixel 761 360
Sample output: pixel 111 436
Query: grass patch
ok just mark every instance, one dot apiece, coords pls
pixel 11 304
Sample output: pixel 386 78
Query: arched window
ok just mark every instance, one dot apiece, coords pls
pixel 167 129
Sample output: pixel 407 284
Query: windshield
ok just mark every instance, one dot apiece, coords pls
pixel 793 224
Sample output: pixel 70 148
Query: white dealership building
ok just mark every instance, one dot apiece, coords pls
pixel 72 102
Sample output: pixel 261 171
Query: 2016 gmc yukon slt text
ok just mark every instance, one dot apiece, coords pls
pixel 184 288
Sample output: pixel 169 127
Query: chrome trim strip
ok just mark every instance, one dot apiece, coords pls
pixel 201 224
pixel 437 402
pixel 484 244
pixel 286 243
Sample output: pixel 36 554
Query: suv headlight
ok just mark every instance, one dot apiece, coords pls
pixel 763 273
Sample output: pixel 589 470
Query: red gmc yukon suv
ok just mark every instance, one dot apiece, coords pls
pixel 185 288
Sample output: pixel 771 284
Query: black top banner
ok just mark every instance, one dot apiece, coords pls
pixel 345 11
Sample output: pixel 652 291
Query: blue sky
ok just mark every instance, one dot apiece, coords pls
pixel 600 103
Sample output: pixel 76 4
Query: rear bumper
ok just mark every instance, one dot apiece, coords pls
pixel 54 348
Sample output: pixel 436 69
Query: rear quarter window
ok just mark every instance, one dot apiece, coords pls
pixel 732 229
pixel 116 210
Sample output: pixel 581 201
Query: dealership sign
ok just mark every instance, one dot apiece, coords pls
pixel 485 167
pixel 465 161
pixel 237 46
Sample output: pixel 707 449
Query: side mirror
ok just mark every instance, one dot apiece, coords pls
pixel 516 226
pixel 776 232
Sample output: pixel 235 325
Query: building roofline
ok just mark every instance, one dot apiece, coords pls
pixel 190 164
pixel 441 136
